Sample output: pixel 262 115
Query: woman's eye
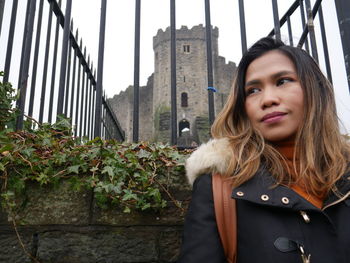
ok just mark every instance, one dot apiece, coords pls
pixel 252 91
pixel 283 81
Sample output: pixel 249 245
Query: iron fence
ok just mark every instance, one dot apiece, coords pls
pixel 68 86
pixel 78 93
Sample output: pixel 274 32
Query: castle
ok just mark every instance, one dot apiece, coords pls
pixel 191 85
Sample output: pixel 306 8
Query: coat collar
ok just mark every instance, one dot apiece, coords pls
pixel 211 157
pixel 262 189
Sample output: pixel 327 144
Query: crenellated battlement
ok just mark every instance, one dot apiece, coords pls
pixel 184 33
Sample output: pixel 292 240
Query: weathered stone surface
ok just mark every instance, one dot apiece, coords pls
pixel 169 245
pixel 118 245
pixel 10 249
pixel 60 225
pixel 55 205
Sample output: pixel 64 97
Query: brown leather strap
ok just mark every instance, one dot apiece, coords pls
pixel 225 213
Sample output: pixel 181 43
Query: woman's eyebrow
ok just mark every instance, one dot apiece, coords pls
pixel 273 76
pixel 282 73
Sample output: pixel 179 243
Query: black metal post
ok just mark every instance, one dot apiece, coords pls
pixel 36 56
pixel 10 40
pixel 290 34
pixel 310 25
pixel 24 39
pixel 69 62
pixel 242 26
pixel 173 98
pixel 276 20
pixel 53 74
pixel 73 82
pixel 78 92
pixel 343 13
pixel 25 66
pixel 325 45
pixel 97 132
pixel 86 97
pixel 135 130
pixel 82 113
pixel 64 57
pixel 46 62
pixel 303 23
pixel 2 7
pixel 209 63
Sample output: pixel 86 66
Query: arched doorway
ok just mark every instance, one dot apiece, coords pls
pixel 184 126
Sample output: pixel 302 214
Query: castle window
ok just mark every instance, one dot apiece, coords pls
pixel 184 79
pixel 186 48
pixel 184 99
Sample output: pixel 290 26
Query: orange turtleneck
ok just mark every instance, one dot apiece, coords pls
pixel 286 148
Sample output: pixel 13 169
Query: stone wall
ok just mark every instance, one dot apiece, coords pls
pixel 58 225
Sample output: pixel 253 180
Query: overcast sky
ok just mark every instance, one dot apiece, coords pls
pixel 155 14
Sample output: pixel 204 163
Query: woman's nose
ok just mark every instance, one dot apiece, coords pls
pixel 269 98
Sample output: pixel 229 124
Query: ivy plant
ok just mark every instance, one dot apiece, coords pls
pixel 132 176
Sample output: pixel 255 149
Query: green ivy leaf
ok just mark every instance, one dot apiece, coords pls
pixel 108 170
pixel 73 169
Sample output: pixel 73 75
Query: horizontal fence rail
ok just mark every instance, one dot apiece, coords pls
pixel 55 74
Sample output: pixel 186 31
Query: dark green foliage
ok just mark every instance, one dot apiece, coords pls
pixel 131 176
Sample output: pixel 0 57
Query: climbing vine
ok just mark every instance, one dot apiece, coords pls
pixel 131 176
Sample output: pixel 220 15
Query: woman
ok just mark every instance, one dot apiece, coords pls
pixel 278 141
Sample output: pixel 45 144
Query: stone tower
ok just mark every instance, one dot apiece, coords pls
pixel 191 84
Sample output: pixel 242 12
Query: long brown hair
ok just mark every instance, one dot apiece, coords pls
pixel 323 153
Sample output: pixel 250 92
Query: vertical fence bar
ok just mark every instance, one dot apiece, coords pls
pixel 36 56
pixel 290 34
pixel 2 7
pixel 211 88
pixel 73 82
pixel 53 75
pixel 65 112
pixel 24 39
pixel 173 72
pixel 89 109
pixel 25 66
pixel 64 57
pixel 78 94
pixel 101 45
pixel 343 13
pixel 46 62
pixel 242 26
pixel 86 96
pixel 93 110
pixel 135 130
pixel 276 20
pixel 325 45
pixel 82 113
pixel 310 25
pixel 303 23
pixel 10 40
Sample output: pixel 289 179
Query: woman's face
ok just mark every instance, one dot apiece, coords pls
pixel 274 97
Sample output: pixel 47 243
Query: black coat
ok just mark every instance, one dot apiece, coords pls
pixel 273 225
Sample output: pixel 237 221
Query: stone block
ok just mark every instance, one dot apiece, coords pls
pixel 10 249
pixel 169 245
pixel 55 205
pixel 118 245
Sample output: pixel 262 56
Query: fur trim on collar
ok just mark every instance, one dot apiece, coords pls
pixel 213 156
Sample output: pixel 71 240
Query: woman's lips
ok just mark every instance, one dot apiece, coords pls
pixel 273 117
